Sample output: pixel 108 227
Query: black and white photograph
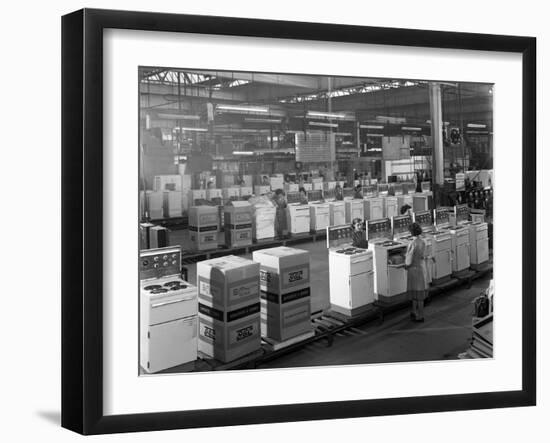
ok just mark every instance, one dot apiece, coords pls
pixel 292 220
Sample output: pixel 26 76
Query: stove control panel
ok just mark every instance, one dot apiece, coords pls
pixel 339 235
pixel 379 229
pixel 423 218
pixel 462 213
pixel 441 216
pixel 401 224
pixel 157 263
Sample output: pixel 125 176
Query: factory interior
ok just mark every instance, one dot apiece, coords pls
pixel 290 220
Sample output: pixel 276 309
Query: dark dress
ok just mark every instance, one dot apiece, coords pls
pixel 417 277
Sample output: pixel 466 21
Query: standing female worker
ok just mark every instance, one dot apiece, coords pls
pixel 415 264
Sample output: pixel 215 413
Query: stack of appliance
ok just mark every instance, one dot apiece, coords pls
pixel 351 273
pixel 441 246
pixel 238 224
pixel 390 276
pixel 298 218
pixel 204 225
pixel 285 292
pixel 229 307
pixel 168 311
pixel 478 235
pixel 319 211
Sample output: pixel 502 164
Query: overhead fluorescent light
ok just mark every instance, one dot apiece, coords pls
pixel 178 128
pixel 262 120
pixel 476 125
pixel 318 114
pixel 476 132
pixel 176 116
pixel 344 134
pixel 410 128
pixel 243 153
pixel 444 123
pixel 242 108
pixel 375 135
pixel 327 125
pixel 371 126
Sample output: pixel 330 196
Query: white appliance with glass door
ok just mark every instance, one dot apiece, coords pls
pixel 390 276
pixel 351 273
pixel 168 311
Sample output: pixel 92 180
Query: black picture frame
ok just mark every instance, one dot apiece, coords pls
pixel 82 154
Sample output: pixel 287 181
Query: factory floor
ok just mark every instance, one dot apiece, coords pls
pixel 444 334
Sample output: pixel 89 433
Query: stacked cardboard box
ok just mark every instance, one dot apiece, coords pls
pixel 238 223
pixel 204 225
pixel 229 307
pixel 285 292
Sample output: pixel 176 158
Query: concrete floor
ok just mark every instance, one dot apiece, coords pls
pixel 444 334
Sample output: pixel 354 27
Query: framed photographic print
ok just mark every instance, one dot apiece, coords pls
pixel 270 221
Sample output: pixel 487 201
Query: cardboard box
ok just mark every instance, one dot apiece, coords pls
pixel 238 224
pixel 214 195
pixel 194 195
pixel 172 204
pixel 262 189
pixel 167 183
pixel 291 187
pixel 285 292
pixel 246 191
pixel 228 283
pixel 229 307
pixel 232 193
pixel 228 339
pixel 277 181
pixel 203 227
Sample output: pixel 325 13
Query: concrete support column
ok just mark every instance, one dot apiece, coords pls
pixel 436 117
